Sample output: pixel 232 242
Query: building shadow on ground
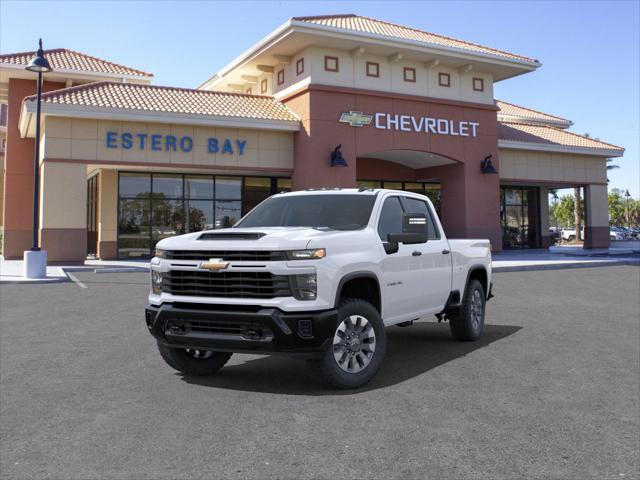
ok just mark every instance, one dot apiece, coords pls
pixel 411 352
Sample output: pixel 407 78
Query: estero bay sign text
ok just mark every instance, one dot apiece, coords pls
pixel 171 143
pixel 411 123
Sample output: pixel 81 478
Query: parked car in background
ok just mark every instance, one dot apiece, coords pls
pixel 569 234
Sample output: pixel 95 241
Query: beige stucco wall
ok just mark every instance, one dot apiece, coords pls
pixel 63 198
pixel 80 139
pixel 107 206
pixel 525 165
pixel 597 205
pixel 352 74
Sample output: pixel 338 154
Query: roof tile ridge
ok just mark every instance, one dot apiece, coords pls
pixel 533 110
pixel 147 74
pixel 318 17
pixel 562 130
pixel 31 52
pixel 75 88
pixel 450 38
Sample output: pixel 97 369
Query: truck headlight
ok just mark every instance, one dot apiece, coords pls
pixel 304 287
pixel 156 282
pixel 314 254
pixel 160 253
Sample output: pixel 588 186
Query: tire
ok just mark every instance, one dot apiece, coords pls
pixel 467 323
pixel 194 362
pixel 358 348
pixel 571 238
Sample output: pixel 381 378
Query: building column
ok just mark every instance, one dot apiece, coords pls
pixel 470 201
pixel 543 210
pixel 596 203
pixel 107 215
pixel 63 211
pixel 18 175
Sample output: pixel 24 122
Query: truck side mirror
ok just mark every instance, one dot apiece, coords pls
pixel 414 229
pixel 223 222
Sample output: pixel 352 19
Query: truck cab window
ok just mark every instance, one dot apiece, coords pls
pixel 413 205
pixel 390 218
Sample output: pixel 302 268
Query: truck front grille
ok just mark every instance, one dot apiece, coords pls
pixel 227 255
pixel 226 284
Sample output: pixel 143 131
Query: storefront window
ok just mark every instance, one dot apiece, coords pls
pixel 256 189
pixel 135 185
pixel 519 217
pixel 198 187
pixel 368 184
pixel 155 206
pixel 284 185
pixel 431 190
pixel 393 185
pixel 228 188
pixel 134 227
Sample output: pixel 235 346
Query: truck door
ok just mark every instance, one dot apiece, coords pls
pixel 433 261
pixel 399 279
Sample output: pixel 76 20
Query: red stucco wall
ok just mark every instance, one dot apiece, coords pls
pixel 470 200
pixel 18 179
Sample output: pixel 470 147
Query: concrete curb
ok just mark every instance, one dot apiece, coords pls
pixel 563 266
pixel 120 270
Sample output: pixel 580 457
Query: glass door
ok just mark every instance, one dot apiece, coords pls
pixel 92 216
pixel 520 217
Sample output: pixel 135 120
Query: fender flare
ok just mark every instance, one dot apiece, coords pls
pixel 351 276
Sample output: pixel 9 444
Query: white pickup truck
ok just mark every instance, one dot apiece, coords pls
pixel 316 274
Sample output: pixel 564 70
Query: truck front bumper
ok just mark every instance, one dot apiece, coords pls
pixel 249 330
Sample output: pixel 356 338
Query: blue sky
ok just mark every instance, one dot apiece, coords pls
pixel 589 50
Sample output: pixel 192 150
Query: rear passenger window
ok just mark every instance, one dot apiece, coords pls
pixel 390 218
pixel 418 206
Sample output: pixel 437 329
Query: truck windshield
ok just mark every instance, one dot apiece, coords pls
pixel 338 212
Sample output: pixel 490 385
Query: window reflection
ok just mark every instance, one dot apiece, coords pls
pixel 155 206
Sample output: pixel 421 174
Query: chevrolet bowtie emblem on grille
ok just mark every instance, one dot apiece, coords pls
pixel 214 264
pixel 355 119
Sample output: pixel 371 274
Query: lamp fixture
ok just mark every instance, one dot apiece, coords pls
pixel 39 63
pixel 337 160
pixel 486 166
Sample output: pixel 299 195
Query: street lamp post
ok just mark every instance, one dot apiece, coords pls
pixel 627 195
pixel 35 260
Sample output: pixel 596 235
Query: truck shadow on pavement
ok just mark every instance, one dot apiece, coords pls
pixel 411 352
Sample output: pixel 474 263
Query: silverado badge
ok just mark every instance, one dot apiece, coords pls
pixel 214 264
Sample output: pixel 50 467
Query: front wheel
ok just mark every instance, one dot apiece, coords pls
pixel 358 347
pixel 467 323
pixel 192 361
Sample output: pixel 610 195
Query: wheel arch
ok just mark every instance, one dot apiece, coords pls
pixel 361 284
pixel 478 272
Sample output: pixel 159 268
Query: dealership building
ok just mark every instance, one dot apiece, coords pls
pixel 124 163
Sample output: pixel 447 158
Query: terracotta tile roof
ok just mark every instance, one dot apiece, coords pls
pixel 512 110
pixel 369 25
pixel 545 135
pixel 65 59
pixel 152 98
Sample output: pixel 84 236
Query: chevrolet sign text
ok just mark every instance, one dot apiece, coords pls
pixel 410 123
pixel 438 126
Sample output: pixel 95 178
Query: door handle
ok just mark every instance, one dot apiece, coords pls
pixel 446 252
pixel 416 253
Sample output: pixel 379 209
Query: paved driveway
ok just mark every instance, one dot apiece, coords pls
pixel 552 390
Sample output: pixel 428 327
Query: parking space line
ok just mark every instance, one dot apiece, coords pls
pixel 75 280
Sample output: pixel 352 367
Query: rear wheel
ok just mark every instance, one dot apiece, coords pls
pixel 467 323
pixel 358 347
pixel 194 362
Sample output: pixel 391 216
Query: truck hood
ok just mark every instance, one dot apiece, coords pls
pixel 267 238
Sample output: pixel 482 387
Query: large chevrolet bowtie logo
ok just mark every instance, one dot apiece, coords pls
pixel 356 119
pixel 214 265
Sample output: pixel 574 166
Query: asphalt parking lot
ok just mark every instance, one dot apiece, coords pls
pixel 551 391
